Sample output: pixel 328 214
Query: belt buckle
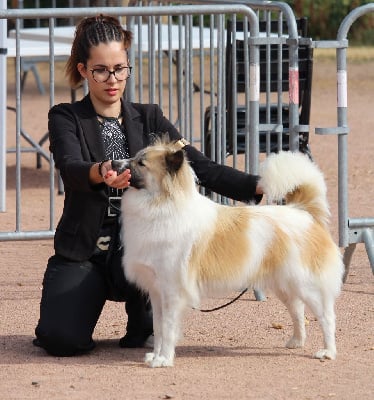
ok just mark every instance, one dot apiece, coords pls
pixel 113 211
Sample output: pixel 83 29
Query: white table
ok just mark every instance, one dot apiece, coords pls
pixel 65 34
pixel 35 48
pixel 32 51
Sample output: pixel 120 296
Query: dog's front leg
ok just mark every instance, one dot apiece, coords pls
pixel 170 321
pixel 157 326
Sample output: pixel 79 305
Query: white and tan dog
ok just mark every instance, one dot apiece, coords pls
pixel 181 246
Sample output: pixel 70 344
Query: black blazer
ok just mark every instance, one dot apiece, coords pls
pixel 76 144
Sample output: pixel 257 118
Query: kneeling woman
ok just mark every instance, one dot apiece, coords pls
pixel 85 270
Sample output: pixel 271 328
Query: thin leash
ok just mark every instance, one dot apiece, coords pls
pixel 224 305
pixel 212 309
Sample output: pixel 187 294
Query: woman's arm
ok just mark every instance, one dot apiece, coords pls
pixel 221 179
pixel 71 155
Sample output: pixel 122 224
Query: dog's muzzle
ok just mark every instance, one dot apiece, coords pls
pixel 120 165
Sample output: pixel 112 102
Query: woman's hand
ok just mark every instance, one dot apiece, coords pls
pixel 259 190
pixel 112 178
pixel 103 172
pixel 121 181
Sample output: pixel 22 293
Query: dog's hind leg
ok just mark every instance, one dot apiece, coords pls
pixel 295 307
pixel 325 314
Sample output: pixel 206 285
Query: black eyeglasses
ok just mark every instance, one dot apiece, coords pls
pixel 101 75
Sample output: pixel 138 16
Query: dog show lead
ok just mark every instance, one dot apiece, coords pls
pixel 85 270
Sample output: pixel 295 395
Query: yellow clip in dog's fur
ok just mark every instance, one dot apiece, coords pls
pixel 182 142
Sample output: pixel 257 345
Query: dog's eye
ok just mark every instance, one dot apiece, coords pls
pixel 141 163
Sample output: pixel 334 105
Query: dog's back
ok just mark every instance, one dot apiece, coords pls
pixel 261 244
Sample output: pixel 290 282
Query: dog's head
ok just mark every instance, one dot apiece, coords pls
pixel 161 168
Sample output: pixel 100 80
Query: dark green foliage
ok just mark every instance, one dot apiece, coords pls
pixel 325 17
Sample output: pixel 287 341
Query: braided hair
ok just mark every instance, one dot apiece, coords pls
pixel 91 32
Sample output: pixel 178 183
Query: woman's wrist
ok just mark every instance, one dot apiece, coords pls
pixel 97 172
pixel 100 168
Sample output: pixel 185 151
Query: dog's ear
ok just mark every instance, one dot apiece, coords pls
pixel 174 160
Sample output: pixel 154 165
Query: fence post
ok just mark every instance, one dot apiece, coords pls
pixel 3 98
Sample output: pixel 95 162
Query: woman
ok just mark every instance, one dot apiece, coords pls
pixel 85 270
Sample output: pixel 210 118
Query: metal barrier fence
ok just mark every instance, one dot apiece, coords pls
pixel 285 33
pixel 351 230
pixel 178 58
pixel 181 64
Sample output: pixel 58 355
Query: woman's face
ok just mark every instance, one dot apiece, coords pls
pixel 110 56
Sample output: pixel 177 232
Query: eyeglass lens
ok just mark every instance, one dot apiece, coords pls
pixel 102 74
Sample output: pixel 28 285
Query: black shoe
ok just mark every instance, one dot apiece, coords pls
pixel 36 342
pixel 132 342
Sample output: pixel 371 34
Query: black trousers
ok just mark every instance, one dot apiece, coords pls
pixel 74 294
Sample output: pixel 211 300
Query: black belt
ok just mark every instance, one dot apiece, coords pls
pixel 114 206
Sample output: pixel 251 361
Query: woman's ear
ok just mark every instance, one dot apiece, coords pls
pixel 82 70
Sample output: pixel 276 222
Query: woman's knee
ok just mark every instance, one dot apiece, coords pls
pixel 63 345
pixel 68 310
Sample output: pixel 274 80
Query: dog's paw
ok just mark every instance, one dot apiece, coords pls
pixel 159 361
pixel 149 358
pixel 325 354
pixel 294 343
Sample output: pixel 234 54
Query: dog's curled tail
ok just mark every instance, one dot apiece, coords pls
pixel 293 177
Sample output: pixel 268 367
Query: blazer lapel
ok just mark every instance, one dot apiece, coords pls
pixel 133 128
pixel 90 128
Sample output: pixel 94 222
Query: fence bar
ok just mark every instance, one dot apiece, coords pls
pixel 345 225
pixel 360 222
pixel 3 102
pixel 23 236
pixel 18 128
pixel 130 11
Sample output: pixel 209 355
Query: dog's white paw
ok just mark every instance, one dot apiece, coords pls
pixel 159 361
pixel 325 354
pixel 294 343
pixel 149 357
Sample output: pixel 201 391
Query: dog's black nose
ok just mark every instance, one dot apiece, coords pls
pixel 120 165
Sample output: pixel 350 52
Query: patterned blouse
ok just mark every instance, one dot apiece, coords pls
pixel 115 144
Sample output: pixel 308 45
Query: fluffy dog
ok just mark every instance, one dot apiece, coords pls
pixel 181 246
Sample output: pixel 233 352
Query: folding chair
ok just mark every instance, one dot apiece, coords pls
pixel 274 81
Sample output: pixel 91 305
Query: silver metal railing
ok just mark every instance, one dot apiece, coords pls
pixel 151 66
pixel 187 79
pixel 265 11
pixel 351 230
